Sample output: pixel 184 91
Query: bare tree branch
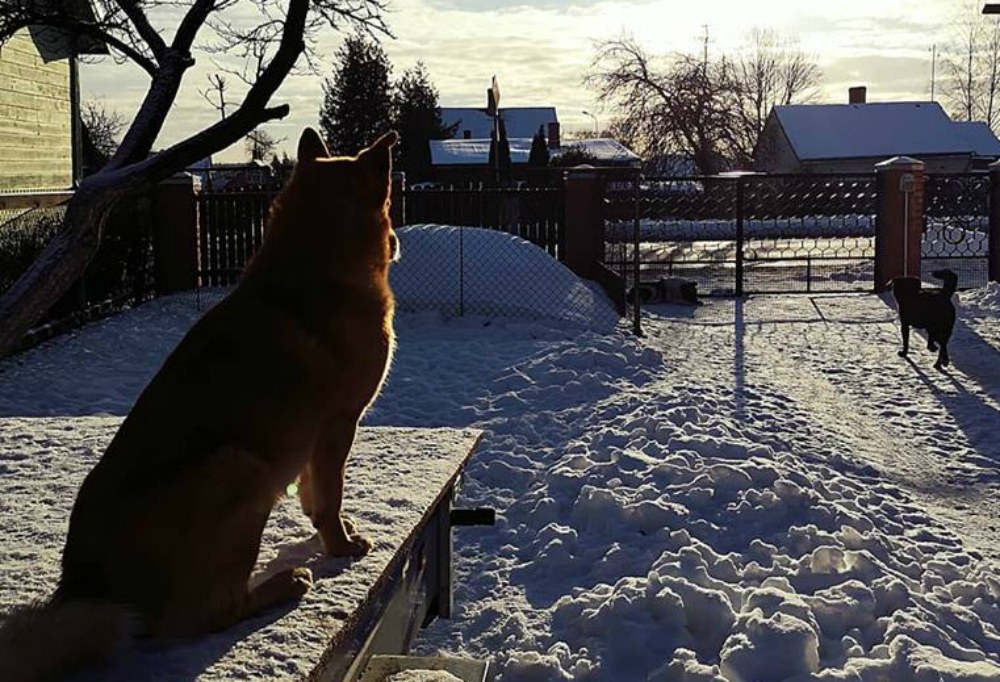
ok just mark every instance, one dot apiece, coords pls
pixel 290 30
pixel 710 110
pixel 133 9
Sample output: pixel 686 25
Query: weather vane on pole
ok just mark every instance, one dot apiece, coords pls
pixel 493 110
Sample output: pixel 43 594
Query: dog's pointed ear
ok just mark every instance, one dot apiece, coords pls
pixel 379 154
pixel 377 162
pixel 311 146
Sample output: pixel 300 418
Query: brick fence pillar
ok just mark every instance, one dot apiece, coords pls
pixel 994 209
pixel 175 234
pixel 900 219
pixel 397 199
pixel 584 228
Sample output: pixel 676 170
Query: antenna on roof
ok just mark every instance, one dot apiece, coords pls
pixel 933 68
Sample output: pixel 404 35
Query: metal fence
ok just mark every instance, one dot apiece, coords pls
pixel 120 273
pixel 468 241
pixel 747 234
pixel 462 271
pixel 956 226
pixel 230 230
pixel 474 235
pixel 535 214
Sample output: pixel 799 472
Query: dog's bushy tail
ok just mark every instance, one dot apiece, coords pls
pixel 950 280
pixel 44 641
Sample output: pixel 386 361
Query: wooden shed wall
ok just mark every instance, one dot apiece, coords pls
pixel 36 138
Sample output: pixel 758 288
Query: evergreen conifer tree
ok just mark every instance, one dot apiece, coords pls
pixel 357 103
pixel 539 156
pixel 417 118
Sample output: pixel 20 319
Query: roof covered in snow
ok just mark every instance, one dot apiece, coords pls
pixel 847 131
pixel 519 121
pixel 979 135
pixel 477 151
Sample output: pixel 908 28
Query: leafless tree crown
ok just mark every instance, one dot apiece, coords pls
pixel 709 109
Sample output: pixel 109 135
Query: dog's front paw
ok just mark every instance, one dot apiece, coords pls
pixel 342 539
pixel 902 353
pixel 350 546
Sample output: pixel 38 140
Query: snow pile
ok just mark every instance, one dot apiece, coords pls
pixel 474 271
pixel 764 572
pixel 981 302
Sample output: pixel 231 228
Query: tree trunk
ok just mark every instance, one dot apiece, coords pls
pixel 61 263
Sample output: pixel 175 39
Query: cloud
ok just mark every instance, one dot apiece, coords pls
pixel 540 52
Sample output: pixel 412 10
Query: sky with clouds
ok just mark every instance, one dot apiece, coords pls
pixel 541 50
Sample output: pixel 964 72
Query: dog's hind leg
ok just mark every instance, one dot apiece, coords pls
pixel 285 586
pixel 905 331
pixel 931 344
pixel 219 611
pixel 306 492
pixel 943 359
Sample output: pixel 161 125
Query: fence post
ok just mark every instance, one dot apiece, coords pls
pixel 900 228
pixel 994 209
pixel 740 215
pixel 584 228
pixel 397 199
pixel 175 234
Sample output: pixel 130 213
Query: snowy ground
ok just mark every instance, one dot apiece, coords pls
pixel 756 491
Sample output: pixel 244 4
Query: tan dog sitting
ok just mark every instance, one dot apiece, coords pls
pixel 267 388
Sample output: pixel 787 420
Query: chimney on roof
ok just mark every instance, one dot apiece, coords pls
pixel 858 95
pixel 552 134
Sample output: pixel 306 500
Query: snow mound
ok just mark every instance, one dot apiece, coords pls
pixel 474 271
pixel 981 302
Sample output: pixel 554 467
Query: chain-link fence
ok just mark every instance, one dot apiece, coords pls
pixel 495 252
pixel 956 227
pixel 469 271
pixel 120 273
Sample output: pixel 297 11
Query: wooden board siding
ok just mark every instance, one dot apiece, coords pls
pixel 36 139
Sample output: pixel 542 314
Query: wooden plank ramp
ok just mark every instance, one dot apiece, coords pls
pixel 399 491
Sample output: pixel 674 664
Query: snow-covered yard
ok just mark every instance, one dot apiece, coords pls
pixel 758 490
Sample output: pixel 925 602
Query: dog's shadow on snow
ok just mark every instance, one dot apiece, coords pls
pixel 976 418
pixel 186 661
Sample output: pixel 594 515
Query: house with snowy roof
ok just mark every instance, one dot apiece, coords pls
pixel 466 156
pixel 853 137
